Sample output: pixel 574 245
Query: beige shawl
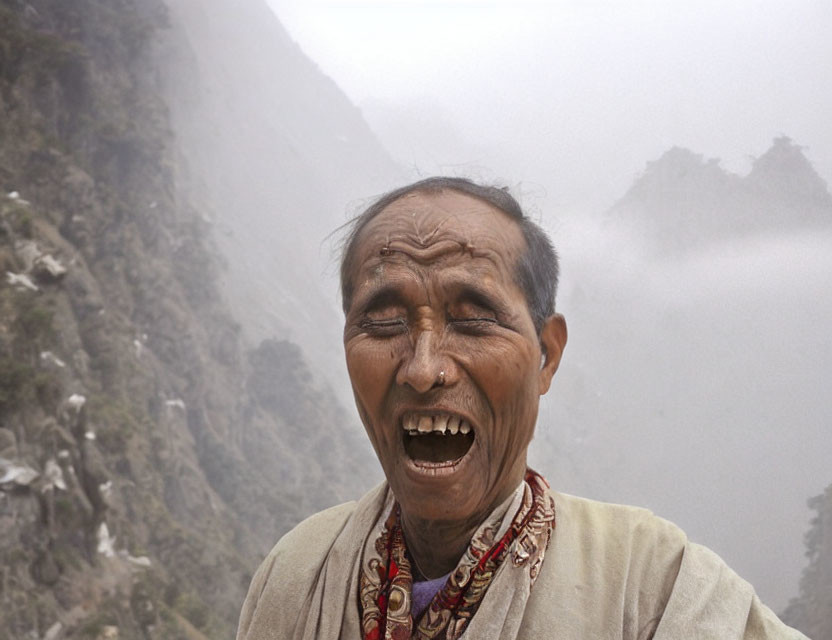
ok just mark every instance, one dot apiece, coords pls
pixel 610 572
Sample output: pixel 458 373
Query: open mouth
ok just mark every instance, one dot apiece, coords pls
pixel 437 439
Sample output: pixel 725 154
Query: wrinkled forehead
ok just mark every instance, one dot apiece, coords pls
pixel 431 227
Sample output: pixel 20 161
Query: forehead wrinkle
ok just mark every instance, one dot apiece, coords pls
pixel 446 281
pixel 461 225
pixel 440 252
pixel 420 217
pixel 421 206
pixel 444 244
pixel 413 267
pixel 482 262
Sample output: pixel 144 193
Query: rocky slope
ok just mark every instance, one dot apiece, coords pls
pixel 144 464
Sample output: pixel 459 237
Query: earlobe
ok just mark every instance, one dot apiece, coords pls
pixel 553 340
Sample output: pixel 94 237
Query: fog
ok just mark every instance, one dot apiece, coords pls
pixel 694 381
pixel 693 384
pixel 574 97
pixel 176 177
pixel 697 387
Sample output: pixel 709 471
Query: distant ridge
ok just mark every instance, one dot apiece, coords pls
pixel 783 173
pixel 683 200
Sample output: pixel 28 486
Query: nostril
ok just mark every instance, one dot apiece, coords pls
pixel 423 370
pixel 421 381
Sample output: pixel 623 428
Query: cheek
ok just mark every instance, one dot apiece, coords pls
pixel 371 366
pixel 508 378
pixel 507 374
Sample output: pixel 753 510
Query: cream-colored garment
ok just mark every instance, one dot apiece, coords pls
pixel 611 572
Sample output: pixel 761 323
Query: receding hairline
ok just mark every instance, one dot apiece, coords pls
pixel 536 269
pixel 432 193
pixel 356 238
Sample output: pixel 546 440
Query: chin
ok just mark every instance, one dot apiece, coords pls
pixel 457 491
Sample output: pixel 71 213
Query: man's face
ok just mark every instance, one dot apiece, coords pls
pixel 443 355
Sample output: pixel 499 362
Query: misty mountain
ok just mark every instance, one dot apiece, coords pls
pixel 150 451
pixel 274 152
pixel 695 378
pixel 683 201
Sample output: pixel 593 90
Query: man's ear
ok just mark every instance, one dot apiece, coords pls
pixel 553 340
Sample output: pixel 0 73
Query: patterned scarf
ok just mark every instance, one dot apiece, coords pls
pixel 386 579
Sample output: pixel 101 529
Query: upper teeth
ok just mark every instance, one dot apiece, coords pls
pixel 439 423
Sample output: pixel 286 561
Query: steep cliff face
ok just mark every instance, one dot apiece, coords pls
pixel 148 458
pixel 811 611
pixel 277 154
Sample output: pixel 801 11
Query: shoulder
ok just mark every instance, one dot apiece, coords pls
pixel 294 562
pixel 315 534
pixel 617 527
pixel 637 548
pixel 615 546
pixel 300 549
pixel 639 575
pixel 710 600
pixel 616 561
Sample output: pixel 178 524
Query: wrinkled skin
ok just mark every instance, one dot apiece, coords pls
pixel 435 291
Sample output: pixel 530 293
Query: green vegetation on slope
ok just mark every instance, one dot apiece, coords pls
pixel 150 459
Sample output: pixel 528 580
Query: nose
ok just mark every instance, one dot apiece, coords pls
pixel 425 367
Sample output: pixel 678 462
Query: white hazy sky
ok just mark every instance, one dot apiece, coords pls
pixel 575 97
pixel 568 101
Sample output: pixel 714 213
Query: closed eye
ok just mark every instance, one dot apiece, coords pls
pixel 384 326
pixel 471 313
pixel 474 325
pixel 488 319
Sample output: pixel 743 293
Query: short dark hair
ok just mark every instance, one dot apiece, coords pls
pixel 537 267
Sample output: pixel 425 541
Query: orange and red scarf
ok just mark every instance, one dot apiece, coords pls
pixel 386 579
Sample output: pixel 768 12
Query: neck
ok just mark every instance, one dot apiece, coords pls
pixel 435 546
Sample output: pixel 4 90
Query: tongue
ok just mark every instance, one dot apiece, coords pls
pixel 433 447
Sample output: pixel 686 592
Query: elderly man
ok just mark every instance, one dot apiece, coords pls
pixel 451 337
